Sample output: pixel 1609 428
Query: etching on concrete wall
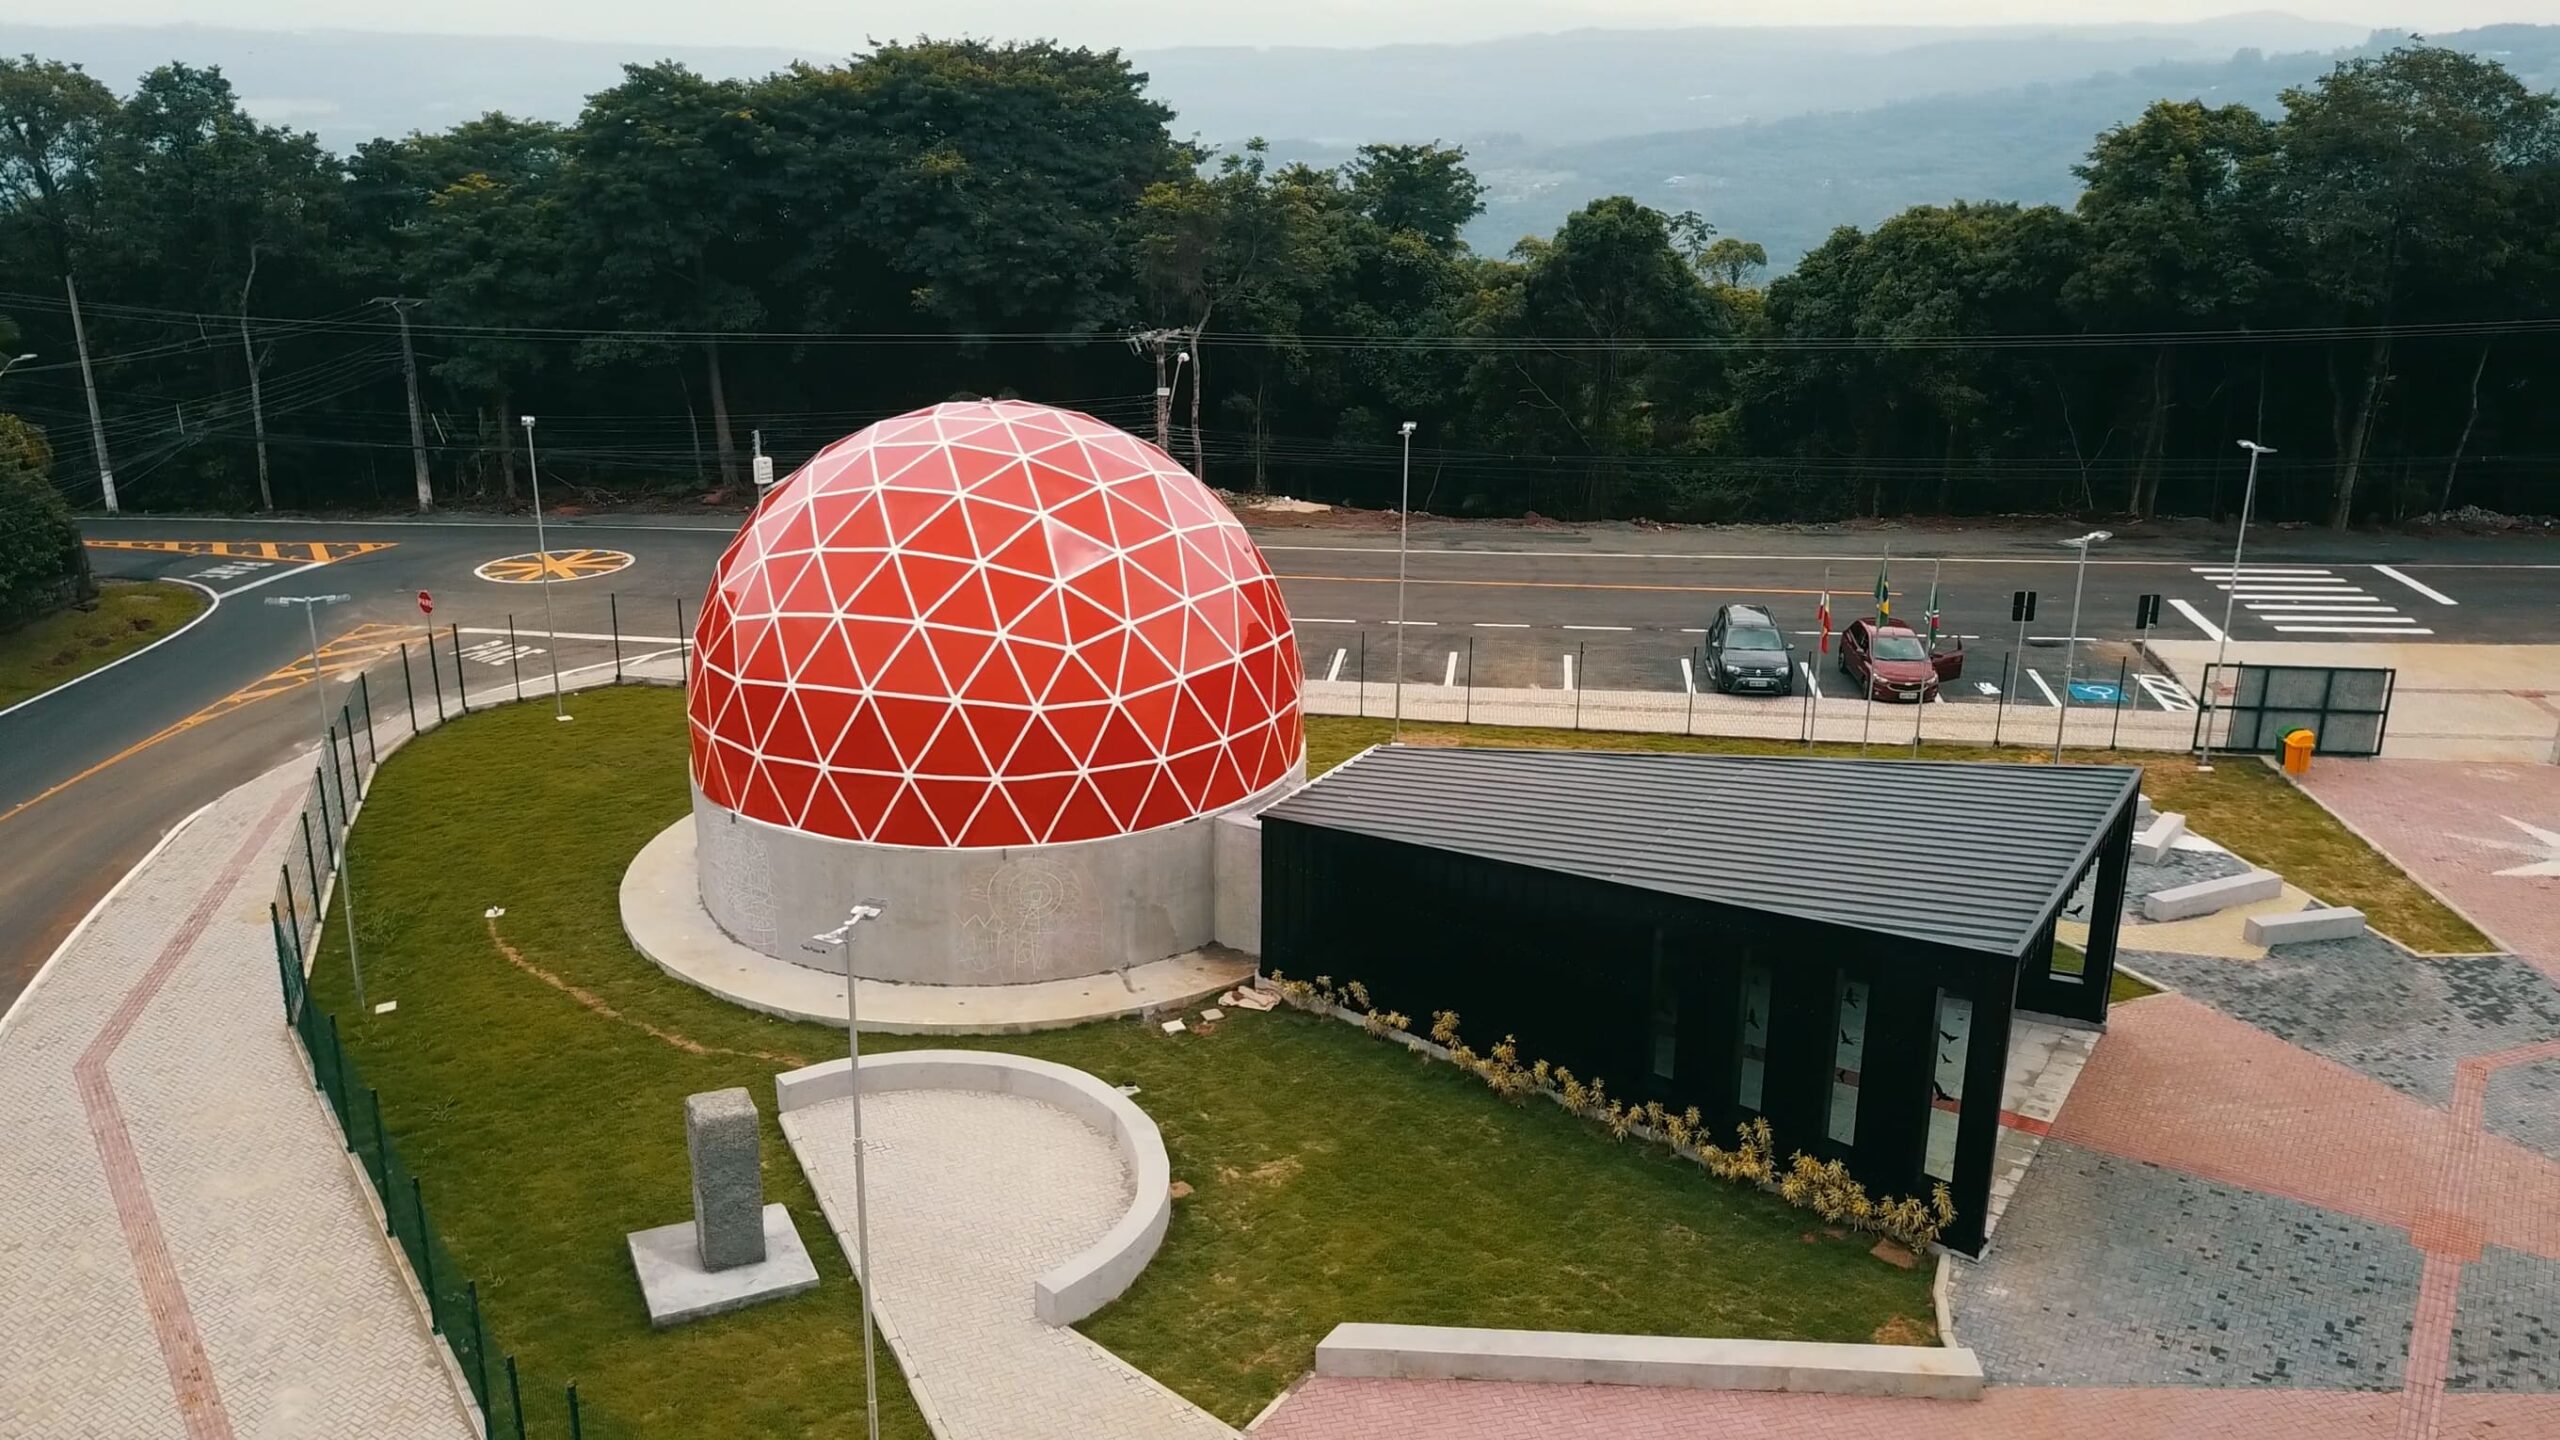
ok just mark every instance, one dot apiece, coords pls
pixel 737 879
pixel 1015 911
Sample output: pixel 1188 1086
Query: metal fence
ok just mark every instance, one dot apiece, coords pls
pixel 2346 709
pixel 511 1405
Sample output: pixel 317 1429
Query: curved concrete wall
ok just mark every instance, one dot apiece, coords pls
pixel 1095 1276
pixel 966 916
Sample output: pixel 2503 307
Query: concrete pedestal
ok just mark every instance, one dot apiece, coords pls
pixel 678 1288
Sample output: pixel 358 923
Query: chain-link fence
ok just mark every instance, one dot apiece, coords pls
pixel 511 1405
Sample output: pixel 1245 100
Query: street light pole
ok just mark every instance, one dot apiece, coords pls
pixel 346 864
pixel 2071 642
pixel 842 938
pixel 2230 594
pixel 15 361
pixel 1404 522
pixel 542 553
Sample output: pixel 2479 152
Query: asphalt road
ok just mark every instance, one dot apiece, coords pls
pixel 92 775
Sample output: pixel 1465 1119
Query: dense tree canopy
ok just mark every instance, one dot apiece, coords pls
pixel 2365 280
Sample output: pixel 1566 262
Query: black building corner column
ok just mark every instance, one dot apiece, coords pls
pixel 1803 1041
pixel 2106 913
pixel 1894 1072
pixel 1986 1065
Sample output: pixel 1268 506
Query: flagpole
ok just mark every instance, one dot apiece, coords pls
pixel 1822 651
pixel 1935 567
pixel 1884 611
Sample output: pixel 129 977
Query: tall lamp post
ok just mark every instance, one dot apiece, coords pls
pixel 2230 594
pixel 15 361
pixel 1404 523
pixel 542 554
pixel 842 938
pixel 2071 642
pixel 346 864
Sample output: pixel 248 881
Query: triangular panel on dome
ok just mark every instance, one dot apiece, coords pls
pixel 829 713
pixel 1104 654
pixel 763 800
pixel 907 511
pixel 1163 804
pixel 998 728
pixel 913 466
pixel 1145 495
pixel 795 638
pixel 1085 816
pixel 1103 585
pixel 931 578
pixel 758 704
pixel 1043 620
pixel 866 744
pixel 827 813
pixel 999 680
pixel 964 655
pixel 1038 665
pixel 947 533
pixel 1076 683
pixel 1040 751
pixel 1007 484
pixel 1022 561
pixel 1086 515
pixel 1162 636
pixel 1056 479
pixel 911 724
pixel 883 596
pixel 1194 508
pixel 1121 741
pixel 954 803
pixel 953 751
pixel 911 669
pixel 1077 726
pixel 829 659
pixel 866 798
pixel 1154 578
pixel 1195 774
pixel 1151 709
pixel 789 738
pixel 1227 784
pixel 909 822
pixel 1193 725
pixel 1203 643
pixel 1039 800
pixel 997 825
pixel 1216 691
pixel 870 641
pixel 967 606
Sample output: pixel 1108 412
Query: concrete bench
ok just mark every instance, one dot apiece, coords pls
pixel 2142 811
pixel 2205 897
pixel 2158 836
pixel 1449 1352
pixel 2335 922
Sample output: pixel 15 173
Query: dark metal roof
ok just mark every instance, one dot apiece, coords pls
pixel 1972 855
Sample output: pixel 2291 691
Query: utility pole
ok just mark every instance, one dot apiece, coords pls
pixel 1155 342
pixel 257 403
pixel 1199 458
pixel 89 382
pixel 417 428
pixel 2231 592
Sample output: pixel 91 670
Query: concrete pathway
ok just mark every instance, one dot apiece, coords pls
pixel 183 1249
pixel 973 1194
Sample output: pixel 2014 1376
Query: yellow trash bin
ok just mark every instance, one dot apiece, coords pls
pixel 2297 752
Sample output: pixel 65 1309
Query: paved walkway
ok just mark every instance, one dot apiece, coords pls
pixel 973 1194
pixel 183 1250
pixel 2316 1190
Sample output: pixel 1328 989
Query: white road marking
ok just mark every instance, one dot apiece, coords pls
pixel 1986 687
pixel 1688 678
pixel 1568 672
pixel 571 635
pixel 2429 591
pixel 1313 620
pixel 1596 627
pixel 2049 697
pixel 1693 629
pixel 2346 630
pixel 2196 618
pixel 1334 671
pixel 2338 602
pixel 1449 675
pixel 498 652
pixel 1408 622
pixel 213 603
pixel 2225 571
pixel 2166 692
pixel 1502 625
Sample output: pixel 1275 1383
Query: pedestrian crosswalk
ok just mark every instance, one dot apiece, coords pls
pixel 2310 600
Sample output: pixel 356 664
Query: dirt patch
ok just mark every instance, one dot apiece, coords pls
pixel 1903 1330
pixel 597 1004
pixel 1269 1172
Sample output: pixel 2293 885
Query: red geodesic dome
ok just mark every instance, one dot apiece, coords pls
pixel 991 623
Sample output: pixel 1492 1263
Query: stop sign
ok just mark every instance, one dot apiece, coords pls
pixel 426 603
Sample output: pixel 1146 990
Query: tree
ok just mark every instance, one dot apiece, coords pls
pixel 1425 190
pixel 1731 263
pixel 43 565
pixel 52 120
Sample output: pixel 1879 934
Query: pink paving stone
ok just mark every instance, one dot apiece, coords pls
pixel 2449 823
pixel 1327 1409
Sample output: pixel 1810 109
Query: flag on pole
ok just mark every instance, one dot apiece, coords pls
pixel 1884 592
pixel 1822 615
pixel 1932 616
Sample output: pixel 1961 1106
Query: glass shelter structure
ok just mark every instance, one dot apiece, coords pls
pixel 1836 945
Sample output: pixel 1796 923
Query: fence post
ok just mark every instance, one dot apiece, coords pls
pixel 1581 679
pixel 409 685
pixel 426 1255
pixel 684 652
pixel 1470 712
pixel 275 923
pixel 576 1431
pixel 346 812
pixel 364 691
pixel 291 913
pixel 515 1398
pixel 613 611
pixel 1689 682
pixel 311 864
pixel 1919 713
pixel 515 661
pixel 461 695
pixel 347 722
pixel 2000 711
pixel 380 1169
pixel 1360 682
pixel 435 675
pixel 328 828
pixel 479 1346
pixel 337 1090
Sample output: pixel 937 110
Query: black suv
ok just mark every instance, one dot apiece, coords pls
pixel 1747 651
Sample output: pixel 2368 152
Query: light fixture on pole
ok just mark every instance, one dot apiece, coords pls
pixel 842 938
pixel 15 361
pixel 1404 520
pixel 2071 642
pixel 346 865
pixel 542 555
pixel 2230 593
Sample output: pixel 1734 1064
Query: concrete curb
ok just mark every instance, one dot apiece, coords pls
pixel 1095 1277
pixel 1448 1352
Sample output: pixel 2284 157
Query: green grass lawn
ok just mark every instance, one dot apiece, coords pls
pixel 68 644
pixel 2242 805
pixel 1334 1176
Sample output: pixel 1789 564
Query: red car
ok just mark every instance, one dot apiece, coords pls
pixel 1895 662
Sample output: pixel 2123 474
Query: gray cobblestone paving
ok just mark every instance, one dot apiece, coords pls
pixel 2112 1272
pixel 2368 1005
pixel 2524 1105
pixel 2506 1331
pixel 303 1321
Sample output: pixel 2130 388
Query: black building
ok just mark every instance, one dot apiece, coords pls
pixel 1837 945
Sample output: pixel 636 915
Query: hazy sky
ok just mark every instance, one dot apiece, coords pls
pixel 836 24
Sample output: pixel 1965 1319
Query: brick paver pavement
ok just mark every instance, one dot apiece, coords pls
pixel 2456 827
pixel 183 1251
pixel 974 1194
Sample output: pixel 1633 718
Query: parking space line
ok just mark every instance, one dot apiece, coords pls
pixel 1502 624
pixel 1313 620
pixel 1334 671
pixel 2429 591
pixel 1409 622
pixel 1597 627
pixel 1568 672
pixel 2049 697
pixel 1449 675
pixel 2167 693
pixel 2402 629
pixel 1688 677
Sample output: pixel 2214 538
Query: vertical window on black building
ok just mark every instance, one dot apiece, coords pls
pixel 1755 1035
pixel 1666 1012
pixel 1848 1054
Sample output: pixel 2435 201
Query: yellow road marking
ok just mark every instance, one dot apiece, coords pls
pixel 305 552
pixel 533 566
pixel 344 655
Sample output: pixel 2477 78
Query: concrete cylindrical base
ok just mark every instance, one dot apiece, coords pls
pixel 965 916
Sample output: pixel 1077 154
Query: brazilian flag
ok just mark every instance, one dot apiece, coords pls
pixel 1884 595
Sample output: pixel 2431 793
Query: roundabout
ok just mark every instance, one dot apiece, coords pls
pixel 535 566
